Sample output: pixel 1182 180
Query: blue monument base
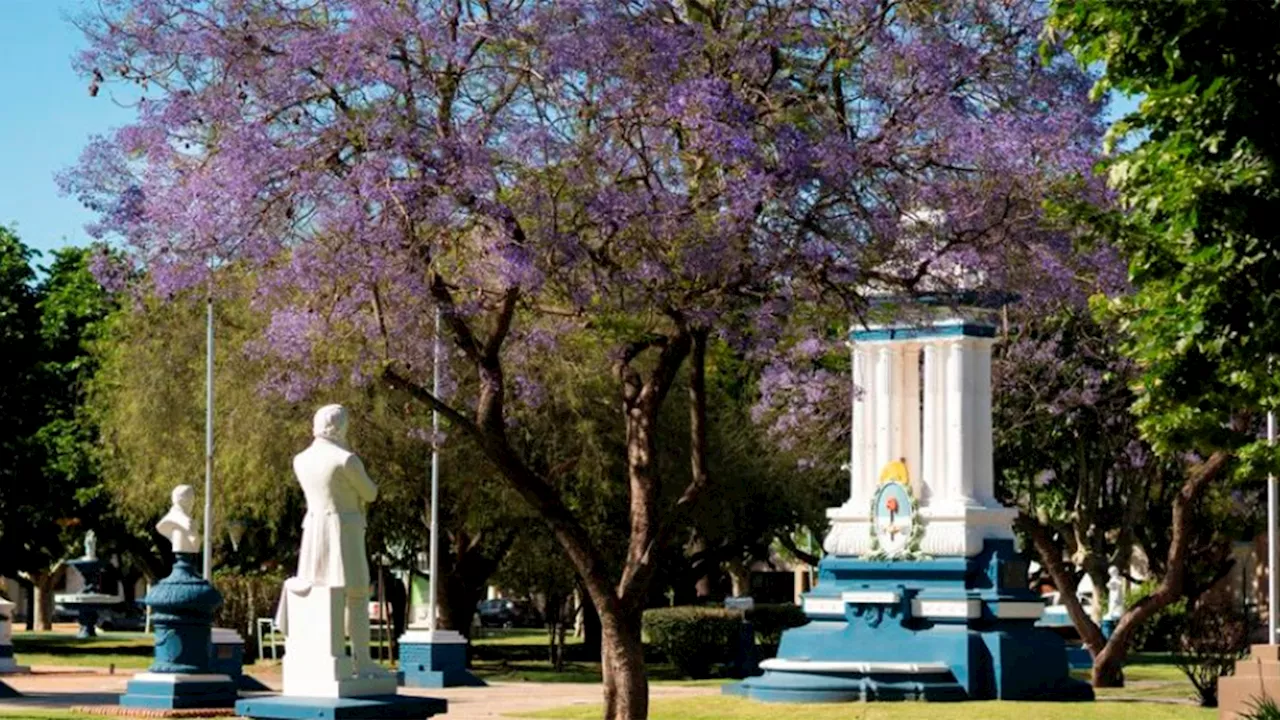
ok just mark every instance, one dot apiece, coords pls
pixel 167 691
pixel 435 660
pixel 1079 658
pixel 390 707
pixel 942 629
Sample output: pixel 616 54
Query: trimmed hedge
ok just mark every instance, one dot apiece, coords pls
pixel 694 639
pixel 770 620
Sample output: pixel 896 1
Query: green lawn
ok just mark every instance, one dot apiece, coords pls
pixel 42 714
pixel 518 636
pixel 124 650
pixel 717 707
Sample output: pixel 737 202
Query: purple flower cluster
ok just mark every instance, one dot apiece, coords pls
pixel 374 160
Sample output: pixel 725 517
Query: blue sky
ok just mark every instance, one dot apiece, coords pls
pixel 46 117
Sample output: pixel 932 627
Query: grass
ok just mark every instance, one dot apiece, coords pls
pixel 124 650
pixel 518 636
pixel 41 714
pixel 716 707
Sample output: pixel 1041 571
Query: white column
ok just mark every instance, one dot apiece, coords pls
pixel 885 421
pixel 958 458
pixel 984 489
pixel 932 453
pixel 860 440
pixel 909 410
pixel 867 462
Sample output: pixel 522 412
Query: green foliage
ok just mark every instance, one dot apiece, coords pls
pixel 1212 638
pixel 1160 632
pixel 693 639
pixel 46 328
pixel 1263 709
pixel 1198 188
pixel 19 336
pixel 148 399
pixel 769 620
pixel 245 598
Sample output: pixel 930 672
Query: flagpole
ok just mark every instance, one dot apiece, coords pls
pixel 208 433
pixel 1273 537
pixel 435 476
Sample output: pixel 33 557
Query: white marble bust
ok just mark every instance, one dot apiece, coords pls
pixel 177 525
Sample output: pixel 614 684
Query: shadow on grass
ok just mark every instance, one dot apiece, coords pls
pixel 136 644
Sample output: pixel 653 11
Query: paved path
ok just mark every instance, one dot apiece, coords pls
pixel 61 687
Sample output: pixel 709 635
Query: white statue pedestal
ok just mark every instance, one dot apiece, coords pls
pixel 316 663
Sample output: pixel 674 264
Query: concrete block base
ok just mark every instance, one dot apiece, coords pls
pixel 1257 678
pixel 390 707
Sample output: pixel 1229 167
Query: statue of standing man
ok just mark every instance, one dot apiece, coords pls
pixel 338 491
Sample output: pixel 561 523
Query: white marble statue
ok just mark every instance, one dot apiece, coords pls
pixel 90 546
pixel 338 491
pixel 176 525
pixel 1115 594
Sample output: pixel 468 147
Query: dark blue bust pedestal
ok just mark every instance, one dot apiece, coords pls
pixel 181 676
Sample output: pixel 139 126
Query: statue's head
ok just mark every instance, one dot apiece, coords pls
pixel 184 497
pixel 331 423
pixel 1113 571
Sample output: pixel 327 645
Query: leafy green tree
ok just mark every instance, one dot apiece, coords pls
pixel 1090 490
pixel 20 338
pixel 148 398
pixel 57 497
pixel 1196 180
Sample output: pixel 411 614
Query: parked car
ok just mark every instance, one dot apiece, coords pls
pixel 506 613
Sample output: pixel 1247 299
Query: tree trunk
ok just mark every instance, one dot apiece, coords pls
pixel 1109 653
pixel 42 608
pixel 456 603
pixel 626 687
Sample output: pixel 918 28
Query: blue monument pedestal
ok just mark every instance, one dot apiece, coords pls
pixel 181 676
pixel 950 628
pixel 435 659
pixel 940 629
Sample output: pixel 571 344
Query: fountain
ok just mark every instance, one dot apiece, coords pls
pixel 91 599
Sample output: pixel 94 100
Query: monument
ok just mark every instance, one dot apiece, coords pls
pixel 93 597
pixel 327 602
pixel 181 676
pixel 922 594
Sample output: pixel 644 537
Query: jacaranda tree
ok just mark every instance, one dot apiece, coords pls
pixel 639 174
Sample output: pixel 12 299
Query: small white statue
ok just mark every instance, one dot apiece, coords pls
pixel 1115 594
pixel 337 490
pixel 177 525
pixel 90 546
